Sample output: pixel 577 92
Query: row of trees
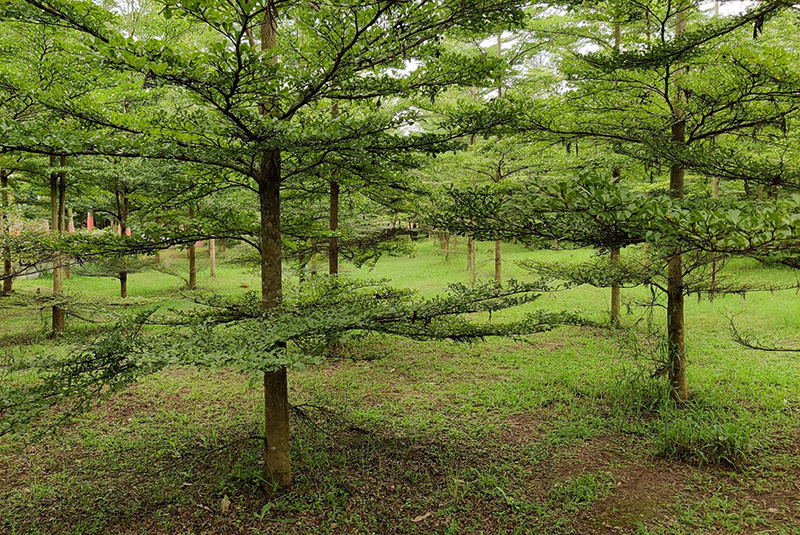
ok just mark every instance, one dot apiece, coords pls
pixel 666 100
pixel 280 104
pixel 294 127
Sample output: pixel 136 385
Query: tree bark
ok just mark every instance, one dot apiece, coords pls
pixel 57 198
pixel 123 215
pixel 277 462
pixel 675 304
pixel 333 214
pixel 498 262
pixel 192 255
pixel 616 293
pixel 277 455
pixel 212 256
pixel 333 225
pixel 8 281
pixel 68 227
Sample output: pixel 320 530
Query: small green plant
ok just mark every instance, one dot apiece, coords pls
pixel 705 438
pixel 265 509
pixel 579 492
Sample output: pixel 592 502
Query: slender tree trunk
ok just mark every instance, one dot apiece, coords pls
pixel 675 305
pixel 224 246
pixel 314 258
pixel 277 455
pixel 123 282
pixel 498 262
pixel 57 195
pixel 70 227
pixel 474 254
pixel 498 246
pixel 123 215
pixel 616 293
pixel 212 256
pixel 192 255
pixel 333 209
pixel 333 241
pixel 714 256
pixel 8 281
pixel 469 255
pixel 715 196
pixel 446 246
pixel 455 243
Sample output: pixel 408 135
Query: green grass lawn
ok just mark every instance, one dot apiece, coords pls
pixel 562 432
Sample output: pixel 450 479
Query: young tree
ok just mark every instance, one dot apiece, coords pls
pixel 660 101
pixel 252 96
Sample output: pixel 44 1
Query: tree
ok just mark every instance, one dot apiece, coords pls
pixel 227 101
pixel 652 103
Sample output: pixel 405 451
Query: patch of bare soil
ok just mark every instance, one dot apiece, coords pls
pixel 524 428
pixel 643 494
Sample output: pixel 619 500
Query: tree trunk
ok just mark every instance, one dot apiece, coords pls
pixel 8 281
pixel 314 258
pixel 675 305
pixel 123 216
pixel 224 245
pixel 277 463
pixel 57 194
pixel 714 257
pixel 333 225
pixel 469 255
pixel 473 253
pixel 212 256
pixel 498 262
pixel 498 246
pixel 616 293
pixel 333 213
pixel 455 243
pixel 715 196
pixel 69 227
pixel 192 255
pixel 277 459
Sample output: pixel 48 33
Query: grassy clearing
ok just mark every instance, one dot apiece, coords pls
pixel 564 432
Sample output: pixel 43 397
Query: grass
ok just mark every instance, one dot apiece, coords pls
pixel 564 432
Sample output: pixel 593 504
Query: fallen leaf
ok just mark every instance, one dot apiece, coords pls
pixel 773 510
pixel 225 505
pixel 420 518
